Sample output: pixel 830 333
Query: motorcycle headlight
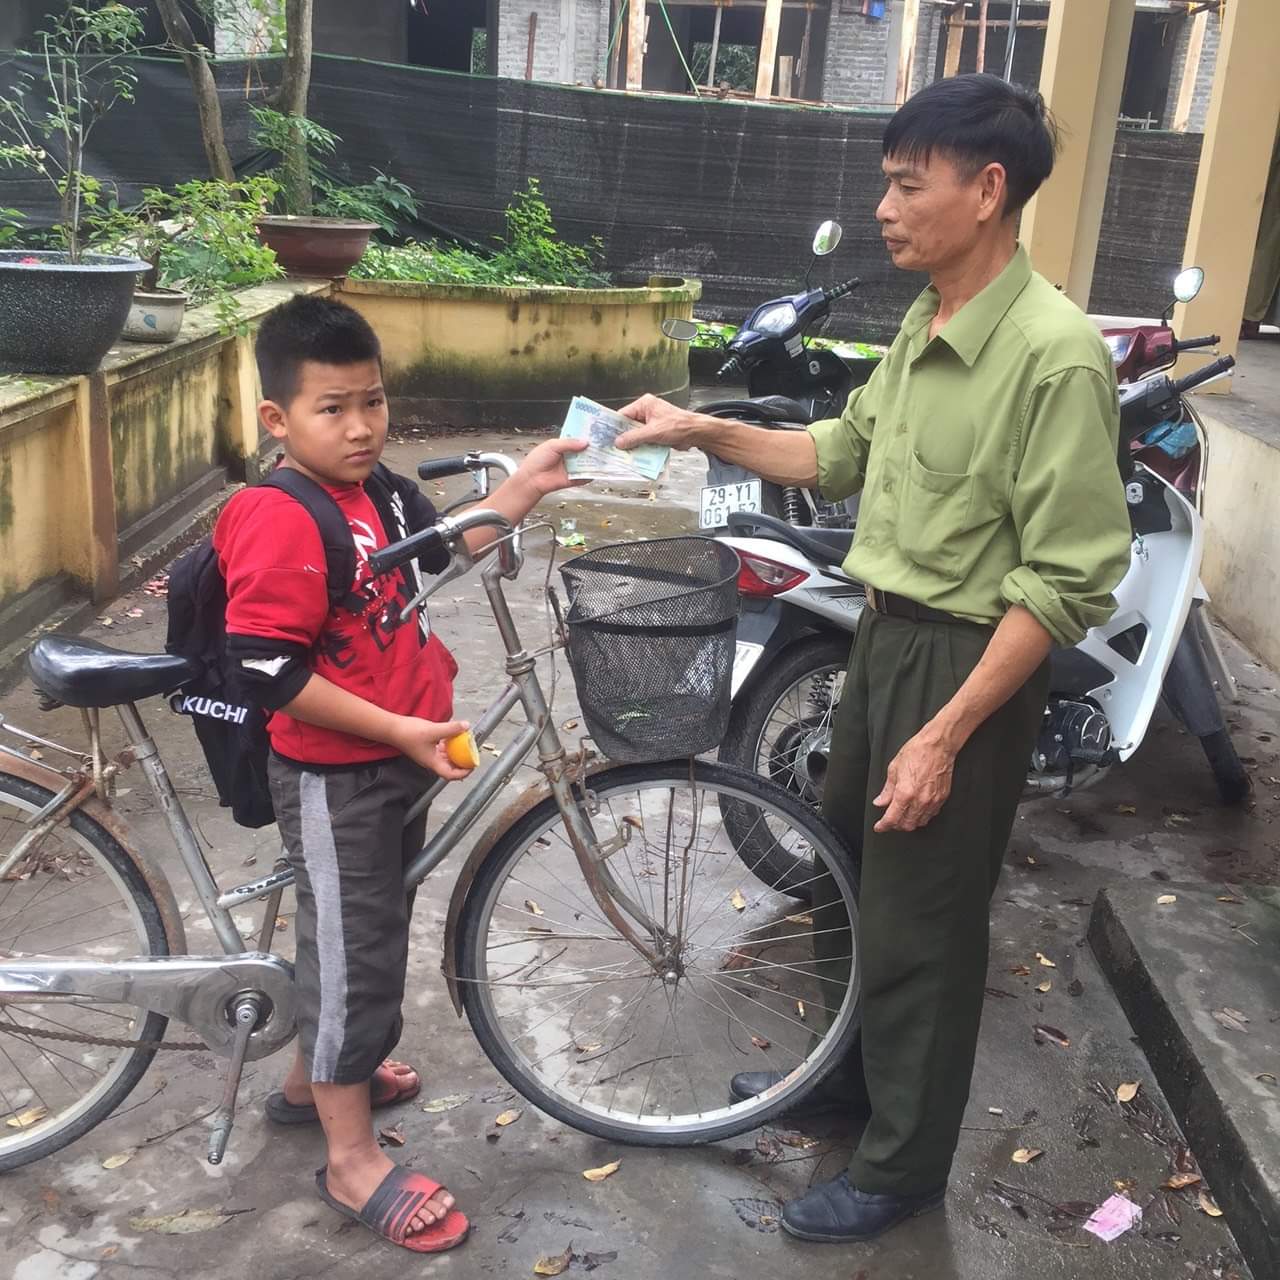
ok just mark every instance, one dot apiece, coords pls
pixel 775 319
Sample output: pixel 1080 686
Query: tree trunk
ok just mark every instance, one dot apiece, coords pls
pixel 207 105
pixel 294 88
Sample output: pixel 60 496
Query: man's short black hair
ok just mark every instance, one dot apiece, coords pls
pixel 309 327
pixel 976 120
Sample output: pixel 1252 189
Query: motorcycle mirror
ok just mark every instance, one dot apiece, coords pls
pixel 1188 283
pixel 679 330
pixel 826 238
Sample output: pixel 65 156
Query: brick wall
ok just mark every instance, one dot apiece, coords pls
pixel 1204 73
pixel 513 38
pixel 857 52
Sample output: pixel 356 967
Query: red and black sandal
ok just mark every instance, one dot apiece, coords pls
pixel 387 1088
pixel 390 1209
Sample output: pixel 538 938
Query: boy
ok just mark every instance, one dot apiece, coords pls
pixel 362 706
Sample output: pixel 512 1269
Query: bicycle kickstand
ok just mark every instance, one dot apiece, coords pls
pixel 246 1016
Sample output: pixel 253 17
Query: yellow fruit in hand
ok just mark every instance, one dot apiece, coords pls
pixel 461 750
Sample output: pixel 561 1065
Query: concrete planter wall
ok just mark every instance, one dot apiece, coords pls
pixel 465 356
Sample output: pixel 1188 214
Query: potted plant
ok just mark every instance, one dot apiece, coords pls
pixel 325 223
pixel 199 244
pixel 62 309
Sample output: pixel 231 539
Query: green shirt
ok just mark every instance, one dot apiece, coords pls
pixel 987 460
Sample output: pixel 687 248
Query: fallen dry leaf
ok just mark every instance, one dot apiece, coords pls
pixel 800 1009
pixel 632 821
pixel 25 1119
pixel 995 1111
pixel 760 1042
pixel 395 1137
pixel 183 1223
pixel 603 1172
pixel 1235 1013
pixel 1041 1032
pixel 1044 960
pixel 1208 1204
pixel 554 1266
pixel 1042 987
pixel 1220 1016
pixel 1020 971
pixel 591 1046
pixel 508 1117
pixel 801 919
pixel 800 1141
pixel 447 1103
pixel 1125 1185
pixel 1128 1091
pixel 1025 1155
pixel 1126 808
pixel 530 905
pixel 1176 1181
pixel 569 724
pixel 738 902
pixel 120 1157
pixel 1166 899
pixel 1226 897
pixel 281 924
pixel 1267 1077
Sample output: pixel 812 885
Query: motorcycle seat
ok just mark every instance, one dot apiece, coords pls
pixel 762 409
pixel 826 546
pixel 84 673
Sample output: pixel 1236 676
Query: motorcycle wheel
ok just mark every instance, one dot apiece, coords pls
pixel 780 728
pixel 1234 783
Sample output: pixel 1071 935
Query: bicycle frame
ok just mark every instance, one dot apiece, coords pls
pixel 202 990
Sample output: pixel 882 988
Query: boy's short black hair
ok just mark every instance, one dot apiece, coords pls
pixel 309 327
pixel 977 120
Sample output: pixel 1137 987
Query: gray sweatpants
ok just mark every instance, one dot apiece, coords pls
pixel 345 838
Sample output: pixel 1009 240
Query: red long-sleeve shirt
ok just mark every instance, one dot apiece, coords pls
pixel 280 626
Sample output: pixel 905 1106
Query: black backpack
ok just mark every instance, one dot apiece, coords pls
pixel 230 724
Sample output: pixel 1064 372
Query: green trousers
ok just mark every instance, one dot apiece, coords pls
pixel 923 931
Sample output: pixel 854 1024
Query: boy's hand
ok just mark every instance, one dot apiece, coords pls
pixel 542 470
pixel 423 742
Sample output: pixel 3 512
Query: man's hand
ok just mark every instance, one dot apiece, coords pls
pixel 919 782
pixel 542 471
pixel 423 742
pixel 661 423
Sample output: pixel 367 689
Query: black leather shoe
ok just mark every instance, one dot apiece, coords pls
pixel 829 1098
pixel 837 1212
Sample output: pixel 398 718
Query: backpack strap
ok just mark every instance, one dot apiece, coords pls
pixel 335 533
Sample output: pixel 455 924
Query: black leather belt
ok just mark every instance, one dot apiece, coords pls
pixel 893 606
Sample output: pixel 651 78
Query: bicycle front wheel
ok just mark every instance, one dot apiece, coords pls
pixel 78 894
pixel 637 1048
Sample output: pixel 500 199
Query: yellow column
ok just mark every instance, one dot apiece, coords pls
pixel 238 427
pixel 1234 163
pixel 1082 77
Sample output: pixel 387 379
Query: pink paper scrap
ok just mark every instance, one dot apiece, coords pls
pixel 1113 1217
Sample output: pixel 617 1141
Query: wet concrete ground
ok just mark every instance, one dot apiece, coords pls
pixel 709 1212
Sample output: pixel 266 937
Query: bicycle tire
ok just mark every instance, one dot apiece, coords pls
pixel 512 845
pixel 14 1153
pixel 752 712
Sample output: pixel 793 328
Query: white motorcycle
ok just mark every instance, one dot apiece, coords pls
pixel 799 612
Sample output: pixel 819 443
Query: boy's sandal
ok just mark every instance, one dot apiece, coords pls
pixel 387 1088
pixel 390 1209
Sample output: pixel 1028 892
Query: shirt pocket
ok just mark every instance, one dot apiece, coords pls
pixel 933 516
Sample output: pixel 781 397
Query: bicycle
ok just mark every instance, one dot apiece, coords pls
pixel 615 962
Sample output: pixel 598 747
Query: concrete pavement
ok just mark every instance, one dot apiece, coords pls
pixel 709 1212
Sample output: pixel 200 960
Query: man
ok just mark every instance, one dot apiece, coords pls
pixel 993 525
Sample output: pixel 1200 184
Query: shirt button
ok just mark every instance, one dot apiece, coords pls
pixel 888 486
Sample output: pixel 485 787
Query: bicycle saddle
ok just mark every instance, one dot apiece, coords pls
pixel 826 546
pixel 84 673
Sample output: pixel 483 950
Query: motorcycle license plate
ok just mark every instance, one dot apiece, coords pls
pixel 718 500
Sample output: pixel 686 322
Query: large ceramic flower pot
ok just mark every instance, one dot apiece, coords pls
pixel 61 317
pixel 316 246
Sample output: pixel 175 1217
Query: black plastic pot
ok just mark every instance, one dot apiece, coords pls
pixel 61 317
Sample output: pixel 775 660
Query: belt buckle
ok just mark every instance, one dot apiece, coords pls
pixel 874 598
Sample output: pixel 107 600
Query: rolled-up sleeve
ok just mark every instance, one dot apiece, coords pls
pixel 844 442
pixel 1069 506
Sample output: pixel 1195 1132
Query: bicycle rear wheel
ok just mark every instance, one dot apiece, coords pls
pixel 77 893
pixel 591 1031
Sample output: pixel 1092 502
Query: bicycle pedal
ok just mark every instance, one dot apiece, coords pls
pixel 246 1015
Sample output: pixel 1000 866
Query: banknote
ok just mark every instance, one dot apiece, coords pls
pixel 603 460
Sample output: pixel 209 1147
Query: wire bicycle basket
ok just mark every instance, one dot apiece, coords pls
pixel 651 631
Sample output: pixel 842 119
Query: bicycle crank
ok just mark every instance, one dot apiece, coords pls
pixel 204 992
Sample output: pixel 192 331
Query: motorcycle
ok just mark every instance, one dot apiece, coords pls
pixel 799 612
pixel 789 385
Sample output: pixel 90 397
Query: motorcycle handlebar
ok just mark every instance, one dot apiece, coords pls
pixel 1207 374
pixel 731 366
pixel 839 290
pixel 1190 344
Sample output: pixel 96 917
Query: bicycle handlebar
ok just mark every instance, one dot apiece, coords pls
pixel 445 533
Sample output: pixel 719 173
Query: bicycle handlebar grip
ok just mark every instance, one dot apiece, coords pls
pixel 439 468
pixel 1190 344
pixel 1201 376
pixel 409 548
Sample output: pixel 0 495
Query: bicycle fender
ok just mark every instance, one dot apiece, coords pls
pixel 51 780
